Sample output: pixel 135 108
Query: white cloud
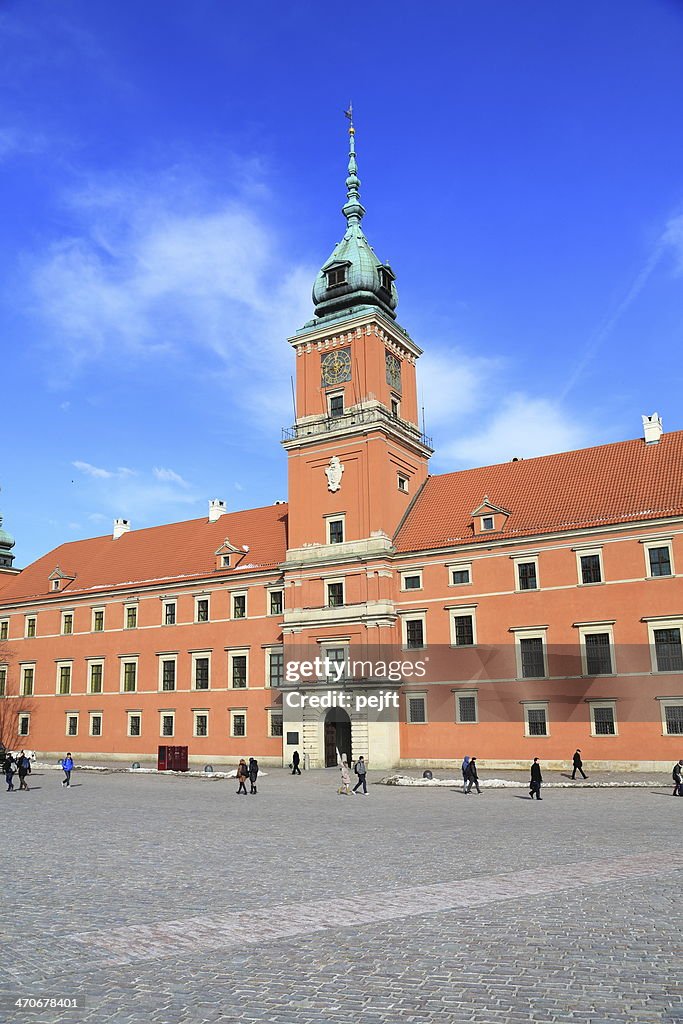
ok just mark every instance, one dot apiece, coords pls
pixel 89 470
pixel 152 270
pixel 521 427
pixel 169 475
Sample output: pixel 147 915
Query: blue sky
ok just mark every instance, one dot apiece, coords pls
pixel 171 180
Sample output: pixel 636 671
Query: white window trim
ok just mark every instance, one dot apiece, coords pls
pixel 4 622
pixel 275 590
pixel 590 629
pixel 532 633
pixel 238 711
pixel 335 517
pixel 30 618
pixel 233 596
pixel 416 695
pixel 67 663
pixel 275 713
pixel 454 613
pixel 335 393
pixel 204 713
pixel 663 542
pixel 522 560
pixel 164 605
pixel 129 715
pixel 487 529
pixel 4 668
pixel 161 658
pixel 23 666
pixel 408 616
pixel 65 612
pixel 536 705
pixel 130 606
pixel 68 715
pixel 466 693
pixel 237 652
pixel 128 659
pixel 21 717
pixel 459 567
pixel 327 582
pixel 91 716
pixel 195 657
pixel 410 572
pixel 162 715
pixel 403 478
pixel 592 705
pixel 275 649
pixel 198 598
pixel 582 553
pixel 102 609
pixel 89 663
pixel 652 625
pixel 668 702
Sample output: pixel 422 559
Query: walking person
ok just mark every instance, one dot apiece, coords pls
pixel 67 768
pixel 676 776
pixel 295 763
pixel 361 771
pixel 242 776
pixel 253 773
pixel 578 765
pixel 536 780
pixel 345 788
pixel 8 770
pixel 23 768
pixel 472 776
pixel 465 765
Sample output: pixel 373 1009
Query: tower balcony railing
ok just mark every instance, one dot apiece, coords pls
pixel 359 417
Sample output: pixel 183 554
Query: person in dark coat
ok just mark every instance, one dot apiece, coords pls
pixel 536 780
pixel 253 773
pixel 295 763
pixel 472 777
pixel 676 776
pixel 361 771
pixel 8 770
pixel 465 763
pixel 578 765
pixel 242 776
pixel 23 768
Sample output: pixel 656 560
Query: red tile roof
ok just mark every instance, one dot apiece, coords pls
pixel 160 553
pixel 614 483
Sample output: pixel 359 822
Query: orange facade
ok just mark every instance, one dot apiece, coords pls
pixel 542 597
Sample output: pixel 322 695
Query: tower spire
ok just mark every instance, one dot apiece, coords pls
pixel 353 209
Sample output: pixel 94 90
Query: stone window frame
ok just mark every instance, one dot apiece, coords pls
pixel 130 608
pixel 658 542
pixel 275 713
pixel 518 561
pixel 129 716
pixel 169 602
pixel 416 695
pixel 459 567
pixel 411 572
pixel 238 652
pixel 196 714
pixel 605 703
pixel 166 713
pixel 234 713
pixel 100 609
pixel 66 663
pixel 91 663
pixel 268 650
pixel 662 622
pixel 584 551
pixel 30 626
pixel 69 717
pixel 466 693
pixel 24 716
pixel 335 517
pixel 23 666
pixel 127 659
pixel 668 702
pixel 530 633
pixel 536 705
pixel 592 629
pixel 67 613
pixel 4 629
pixel 195 657
pixel 92 717
pixel 162 658
pixel 462 611
pixel 234 595
pixel 413 615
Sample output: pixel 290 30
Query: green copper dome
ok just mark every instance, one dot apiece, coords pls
pixel 353 276
pixel 6 539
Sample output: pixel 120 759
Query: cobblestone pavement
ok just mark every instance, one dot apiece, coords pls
pixel 172 900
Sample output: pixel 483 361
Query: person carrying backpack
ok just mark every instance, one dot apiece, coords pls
pixel 8 769
pixel 472 778
pixel 361 771
pixel 23 768
pixel 253 773
pixel 676 776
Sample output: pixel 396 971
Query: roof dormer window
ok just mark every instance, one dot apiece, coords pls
pixel 385 279
pixel 336 276
pixel 488 523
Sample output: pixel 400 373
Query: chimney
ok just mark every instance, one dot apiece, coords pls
pixel 217 508
pixel 121 526
pixel 652 425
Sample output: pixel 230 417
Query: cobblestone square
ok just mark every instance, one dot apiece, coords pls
pixel 171 899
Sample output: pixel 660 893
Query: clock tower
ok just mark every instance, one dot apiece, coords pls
pixel 356 454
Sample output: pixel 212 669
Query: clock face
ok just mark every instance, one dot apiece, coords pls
pixel 336 367
pixel 393 371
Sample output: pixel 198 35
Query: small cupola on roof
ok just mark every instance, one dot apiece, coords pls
pixel 6 544
pixel 353 277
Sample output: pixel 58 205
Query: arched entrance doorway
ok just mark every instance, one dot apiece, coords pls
pixel 337 737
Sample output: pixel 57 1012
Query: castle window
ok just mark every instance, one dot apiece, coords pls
pixel 335 531
pixel 336 276
pixel 67 623
pixel 98 620
pixel 603 718
pixel 335 594
pixel 4 629
pixel 134 723
pixel 239 606
pixel 168 724
pixel 131 616
pixel 335 405
pixel 95 724
pixel 95 680
pixel 168 673
pixel 24 725
pixel 238 724
pixel 536 719
pixel 27 678
pixel 487 522
pixel 466 711
pixel 72 725
pixel 201 609
pixel 385 279
pixel 416 708
pixel 276 602
pixel 201 723
pixel 402 482
pixel 30 626
pixel 169 613
pixel 201 671
pixel 659 559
